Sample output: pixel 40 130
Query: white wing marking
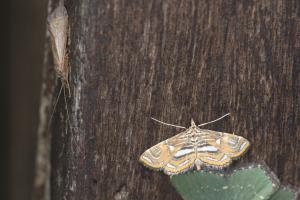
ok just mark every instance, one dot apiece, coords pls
pixel 183 152
pixel 207 148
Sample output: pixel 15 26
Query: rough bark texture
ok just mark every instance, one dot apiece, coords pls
pixel 174 60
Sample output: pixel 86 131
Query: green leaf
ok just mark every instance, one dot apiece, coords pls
pixel 254 182
pixel 284 193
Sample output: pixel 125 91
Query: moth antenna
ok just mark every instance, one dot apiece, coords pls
pixel 61 87
pixel 168 124
pixel 214 120
pixel 68 116
pixel 68 86
pixel 67 76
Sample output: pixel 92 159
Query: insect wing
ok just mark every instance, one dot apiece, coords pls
pixel 58 28
pixel 218 149
pixel 234 145
pixel 180 164
pixel 159 155
pixel 178 154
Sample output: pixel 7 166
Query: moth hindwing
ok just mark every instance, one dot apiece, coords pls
pixel 194 147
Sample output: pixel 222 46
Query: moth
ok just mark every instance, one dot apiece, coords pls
pixel 58 28
pixel 194 147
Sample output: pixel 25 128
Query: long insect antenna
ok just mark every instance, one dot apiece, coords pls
pixel 68 116
pixel 68 86
pixel 61 87
pixel 214 120
pixel 168 123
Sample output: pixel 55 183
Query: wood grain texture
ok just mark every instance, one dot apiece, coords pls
pixel 174 60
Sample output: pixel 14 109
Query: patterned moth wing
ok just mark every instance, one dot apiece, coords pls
pixel 194 147
pixel 220 148
pixel 160 156
pixel 58 29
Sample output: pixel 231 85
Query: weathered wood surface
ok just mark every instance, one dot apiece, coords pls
pixel 174 60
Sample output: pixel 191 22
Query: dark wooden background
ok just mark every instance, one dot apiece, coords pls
pixel 23 25
pixel 173 60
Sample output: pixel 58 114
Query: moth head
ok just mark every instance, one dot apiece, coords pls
pixel 193 125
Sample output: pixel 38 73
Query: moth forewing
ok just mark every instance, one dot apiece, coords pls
pixel 234 145
pixel 160 156
pixel 58 29
pixel 58 26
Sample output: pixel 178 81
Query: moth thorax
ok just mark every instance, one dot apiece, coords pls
pixel 194 138
pixel 193 123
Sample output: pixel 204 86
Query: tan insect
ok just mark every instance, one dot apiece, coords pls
pixel 58 29
pixel 194 147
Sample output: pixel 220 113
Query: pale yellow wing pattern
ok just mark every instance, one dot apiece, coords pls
pixel 194 147
pixel 220 148
pixel 160 156
pixel 182 157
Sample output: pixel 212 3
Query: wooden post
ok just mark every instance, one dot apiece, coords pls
pixel 173 60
